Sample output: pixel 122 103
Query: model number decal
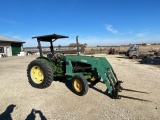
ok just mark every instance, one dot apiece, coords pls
pixel 84 61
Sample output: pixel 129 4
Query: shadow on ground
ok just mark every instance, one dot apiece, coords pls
pixel 123 57
pixel 6 115
pixel 99 90
pixel 68 84
pixel 32 115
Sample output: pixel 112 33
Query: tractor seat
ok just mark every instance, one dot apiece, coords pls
pixel 52 57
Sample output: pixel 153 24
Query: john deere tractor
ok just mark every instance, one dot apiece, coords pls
pixel 80 69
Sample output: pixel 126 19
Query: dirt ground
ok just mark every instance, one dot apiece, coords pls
pixel 18 98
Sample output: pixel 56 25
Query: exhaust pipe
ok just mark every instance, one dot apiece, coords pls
pixel 77 45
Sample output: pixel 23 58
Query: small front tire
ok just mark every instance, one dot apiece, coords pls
pixel 134 57
pixel 80 85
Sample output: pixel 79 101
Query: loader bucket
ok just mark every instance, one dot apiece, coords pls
pixel 109 77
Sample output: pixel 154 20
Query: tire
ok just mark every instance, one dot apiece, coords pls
pixel 134 57
pixel 79 85
pixel 40 74
pixel 94 80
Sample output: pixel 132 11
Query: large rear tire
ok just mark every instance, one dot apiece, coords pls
pixel 40 74
pixel 80 85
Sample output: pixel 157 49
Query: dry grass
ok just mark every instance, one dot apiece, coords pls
pixel 121 48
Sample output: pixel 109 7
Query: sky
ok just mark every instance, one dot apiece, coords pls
pixel 96 22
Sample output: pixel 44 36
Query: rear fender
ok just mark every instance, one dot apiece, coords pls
pixel 48 61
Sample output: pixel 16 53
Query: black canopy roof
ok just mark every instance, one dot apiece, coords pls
pixel 49 38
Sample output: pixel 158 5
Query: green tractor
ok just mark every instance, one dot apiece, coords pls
pixel 80 69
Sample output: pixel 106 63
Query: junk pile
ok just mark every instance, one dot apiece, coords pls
pixel 151 59
pixel 112 51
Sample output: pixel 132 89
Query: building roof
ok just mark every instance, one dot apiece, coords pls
pixel 9 39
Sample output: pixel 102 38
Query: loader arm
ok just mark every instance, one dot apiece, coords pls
pixel 103 67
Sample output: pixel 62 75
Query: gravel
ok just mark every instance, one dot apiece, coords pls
pixel 60 103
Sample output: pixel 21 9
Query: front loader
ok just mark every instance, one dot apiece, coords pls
pixel 80 69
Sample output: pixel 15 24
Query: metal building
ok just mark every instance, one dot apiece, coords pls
pixel 10 46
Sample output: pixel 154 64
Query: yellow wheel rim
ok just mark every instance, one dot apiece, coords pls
pixel 77 85
pixel 93 79
pixel 37 74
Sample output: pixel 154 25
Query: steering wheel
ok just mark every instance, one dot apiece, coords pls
pixel 59 55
